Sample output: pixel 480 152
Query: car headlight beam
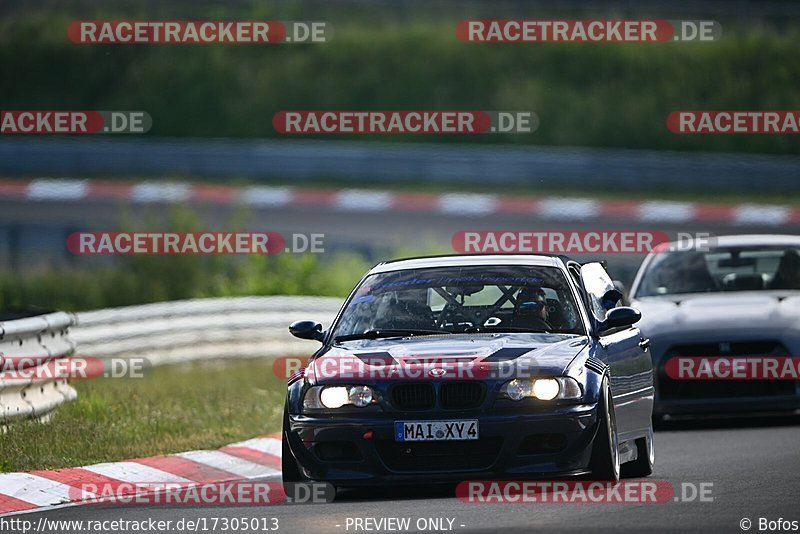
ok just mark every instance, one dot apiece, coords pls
pixel 334 397
pixel 544 389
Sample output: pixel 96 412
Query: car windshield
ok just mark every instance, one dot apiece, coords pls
pixel 722 269
pixel 461 300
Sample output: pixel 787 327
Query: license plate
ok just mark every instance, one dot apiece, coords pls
pixel 436 430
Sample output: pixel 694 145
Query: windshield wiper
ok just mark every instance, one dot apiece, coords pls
pixel 513 329
pixel 388 332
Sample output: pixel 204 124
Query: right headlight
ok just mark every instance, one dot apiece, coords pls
pixel 333 397
pixel 545 389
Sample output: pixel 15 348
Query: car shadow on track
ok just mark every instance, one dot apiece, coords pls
pixel 728 422
pixel 404 492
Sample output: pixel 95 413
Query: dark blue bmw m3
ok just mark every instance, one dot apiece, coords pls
pixel 451 368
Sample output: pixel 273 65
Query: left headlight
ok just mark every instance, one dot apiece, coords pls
pixel 332 397
pixel 546 389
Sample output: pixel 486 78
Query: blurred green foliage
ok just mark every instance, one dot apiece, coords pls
pixel 606 94
pixel 128 280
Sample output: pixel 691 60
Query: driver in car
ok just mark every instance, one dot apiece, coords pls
pixel 788 274
pixel 530 309
pixel 409 309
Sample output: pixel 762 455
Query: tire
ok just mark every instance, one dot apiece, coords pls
pixel 605 449
pixel 643 465
pixel 290 472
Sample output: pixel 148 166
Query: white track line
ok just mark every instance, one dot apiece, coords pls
pixel 569 208
pixel 134 472
pixel 467 204
pixel 271 446
pixel 666 211
pixel 37 490
pixel 229 463
pixel 755 214
pixel 266 196
pixel 160 192
pixel 45 189
pixel 363 200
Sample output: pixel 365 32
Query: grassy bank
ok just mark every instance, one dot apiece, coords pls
pixel 172 409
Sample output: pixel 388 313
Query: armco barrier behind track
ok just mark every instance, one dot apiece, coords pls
pixel 201 329
pixel 162 333
pixel 25 343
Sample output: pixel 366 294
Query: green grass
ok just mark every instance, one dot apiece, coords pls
pixel 172 409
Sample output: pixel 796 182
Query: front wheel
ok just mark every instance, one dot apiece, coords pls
pixel 605 450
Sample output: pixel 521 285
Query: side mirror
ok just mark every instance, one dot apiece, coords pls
pixel 619 317
pixel 307 330
pixel 623 291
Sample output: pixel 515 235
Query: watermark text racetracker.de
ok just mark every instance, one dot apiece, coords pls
pixel 733 368
pixel 218 493
pixel 69 122
pixel 587 31
pixel 582 492
pixel 193 243
pixel 197 32
pixel 382 367
pixel 584 242
pixel 734 122
pixel 457 122
pixel 36 368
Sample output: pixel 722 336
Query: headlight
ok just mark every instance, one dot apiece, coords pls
pixel 332 397
pixel 546 389
pixel 360 396
pixel 518 389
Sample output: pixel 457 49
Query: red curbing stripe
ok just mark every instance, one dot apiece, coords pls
pixel 83 481
pixel 313 197
pixel 622 209
pixel 109 189
pixel 11 504
pixel 400 201
pixel 414 201
pixel 186 468
pixel 14 188
pixel 253 455
pixel 523 205
pixel 214 194
pixel 79 478
pixel 713 212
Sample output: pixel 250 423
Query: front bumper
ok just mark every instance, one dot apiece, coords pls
pixel 512 445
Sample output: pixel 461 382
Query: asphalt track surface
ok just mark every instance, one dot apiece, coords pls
pixel 754 466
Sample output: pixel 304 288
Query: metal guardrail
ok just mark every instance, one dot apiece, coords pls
pixel 456 164
pixel 201 329
pixel 29 342
pixel 162 333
